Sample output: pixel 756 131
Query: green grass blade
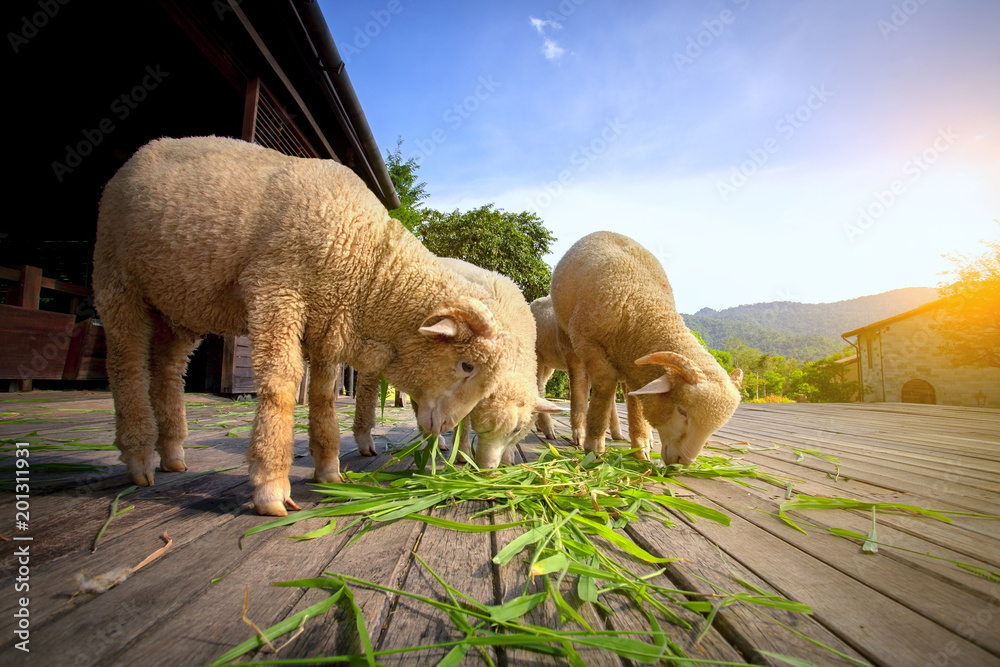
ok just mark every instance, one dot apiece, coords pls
pixel 288 625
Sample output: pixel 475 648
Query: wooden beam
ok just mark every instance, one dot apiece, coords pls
pixel 75 353
pixel 68 288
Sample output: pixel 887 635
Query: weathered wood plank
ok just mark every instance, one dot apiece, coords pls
pixel 459 558
pixel 884 630
pixel 930 596
pixel 107 624
pixel 745 627
pixel 956 539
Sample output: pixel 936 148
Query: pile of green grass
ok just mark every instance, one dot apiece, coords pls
pixel 571 508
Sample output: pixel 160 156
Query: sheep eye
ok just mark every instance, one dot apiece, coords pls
pixel 682 411
pixel 467 368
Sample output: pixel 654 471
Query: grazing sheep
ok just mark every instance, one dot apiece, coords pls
pixel 214 235
pixel 617 321
pixel 504 417
pixel 550 359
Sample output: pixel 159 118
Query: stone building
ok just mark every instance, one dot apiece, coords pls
pixel 898 361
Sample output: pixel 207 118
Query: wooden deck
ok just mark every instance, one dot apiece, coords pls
pixel 897 607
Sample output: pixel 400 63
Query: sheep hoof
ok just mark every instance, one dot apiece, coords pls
pixel 329 477
pixel 641 454
pixel 145 479
pixel 273 508
pixel 173 465
pixel 550 435
pixel 617 435
pixel 140 471
pixel 276 508
pixel 366 445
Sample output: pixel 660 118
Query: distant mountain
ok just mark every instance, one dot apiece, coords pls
pixel 802 330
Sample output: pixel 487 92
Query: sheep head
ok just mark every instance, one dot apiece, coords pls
pixel 686 405
pixel 505 417
pixel 451 362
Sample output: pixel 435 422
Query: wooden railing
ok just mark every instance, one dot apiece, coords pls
pixel 38 344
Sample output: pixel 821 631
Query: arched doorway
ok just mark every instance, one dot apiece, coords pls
pixel 918 391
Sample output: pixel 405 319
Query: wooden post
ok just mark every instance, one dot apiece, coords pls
pixel 228 364
pixel 250 109
pixel 348 380
pixel 400 399
pixel 339 385
pixel 302 396
pixel 27 295
pixel 29 287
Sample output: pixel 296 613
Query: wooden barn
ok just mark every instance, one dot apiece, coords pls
pixel 92 82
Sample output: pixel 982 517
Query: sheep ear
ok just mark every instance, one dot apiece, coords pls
pixel 677 363
pixel 660 385
pixel 541 405
pixel 446 327
pixel 737 377
pixel 465 309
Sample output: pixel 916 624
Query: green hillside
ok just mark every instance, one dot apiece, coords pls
pixel 802 330
pixel 718 332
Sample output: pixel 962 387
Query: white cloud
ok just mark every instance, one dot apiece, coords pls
pixel 552 50
pixel 540 24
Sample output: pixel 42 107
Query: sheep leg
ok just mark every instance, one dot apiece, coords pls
pixel 465 440
pixel 276 355
pixel 543 421
pixel 639 431
pixel 168 362
pixel 604 381
pixel 128 333
pixel 616 427
pixel 578 389
pixel 364 413
pixel 324 432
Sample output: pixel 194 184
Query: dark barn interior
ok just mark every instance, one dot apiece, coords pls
pixel 92 82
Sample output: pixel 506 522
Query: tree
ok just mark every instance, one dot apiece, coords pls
pixel 971 323
pixel 404 180
pixel 826 381
pixel 558 385
pixel 510 243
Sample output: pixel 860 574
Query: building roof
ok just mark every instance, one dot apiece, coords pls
pixel 881 324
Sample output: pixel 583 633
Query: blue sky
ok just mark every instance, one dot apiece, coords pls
pixel 809 151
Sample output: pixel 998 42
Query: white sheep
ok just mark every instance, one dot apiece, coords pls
pixel 550 359
pixel 616 313
pixel 503 418
pixel 214 235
